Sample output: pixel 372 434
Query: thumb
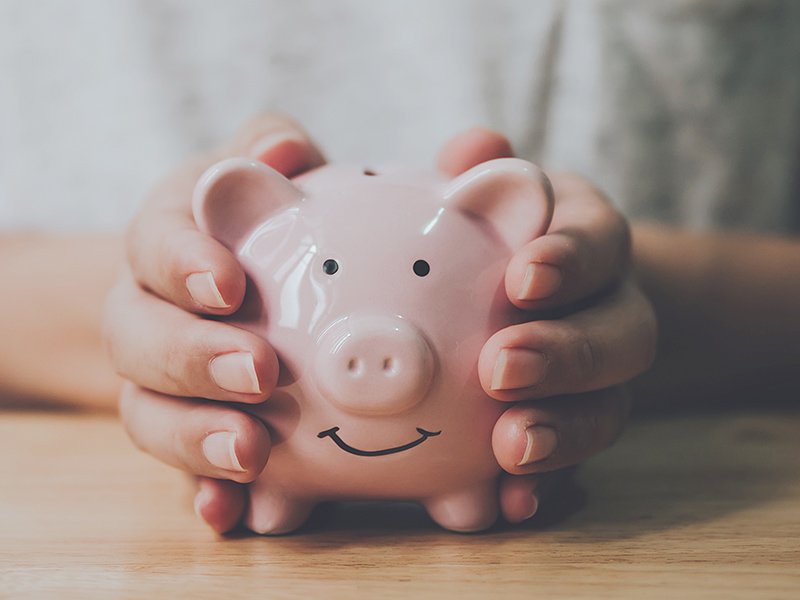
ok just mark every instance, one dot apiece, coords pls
pixel 471 148
pixel 277 141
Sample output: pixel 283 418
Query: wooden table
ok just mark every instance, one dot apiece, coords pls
pixel 682 507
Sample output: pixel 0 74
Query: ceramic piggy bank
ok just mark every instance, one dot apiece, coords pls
pixel 377 292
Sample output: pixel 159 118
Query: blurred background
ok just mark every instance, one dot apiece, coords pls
pixel 687 112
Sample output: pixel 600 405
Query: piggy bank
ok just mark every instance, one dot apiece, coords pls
pixel 377 292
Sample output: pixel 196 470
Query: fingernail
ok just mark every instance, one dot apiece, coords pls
pixel 534 508
pixel 518 368
pixel 235 372
pixel 268 142
pixel 541 281
pixel 541 442
pixel 219 449
pixel 200 500
pixel 203 289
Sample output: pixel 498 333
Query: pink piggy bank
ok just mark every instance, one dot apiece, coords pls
pixel 377 292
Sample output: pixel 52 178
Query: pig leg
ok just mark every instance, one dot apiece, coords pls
pixel 273 512
pixel 471 509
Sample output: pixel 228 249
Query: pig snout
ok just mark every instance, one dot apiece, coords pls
pixel 375 365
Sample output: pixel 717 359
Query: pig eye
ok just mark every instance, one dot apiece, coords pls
pixel 330 266
pixel 422 268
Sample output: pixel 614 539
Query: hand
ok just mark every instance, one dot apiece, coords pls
pixel 172 356
pixel 562 374
pixel 183 435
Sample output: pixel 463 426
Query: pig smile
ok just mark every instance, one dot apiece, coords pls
pixel 331 433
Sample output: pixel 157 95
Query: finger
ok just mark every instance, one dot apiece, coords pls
pixel 538 437
pixel 278 141
pixel 172 259
pixel 201 438
pixel 220 503
pixel 521 496
pixel 519 499
pixel 585 250
pixel 161 347
pixel 167 253
pixel 604 345
pixel 471 148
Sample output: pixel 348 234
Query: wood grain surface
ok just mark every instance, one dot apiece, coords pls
pixel 681 507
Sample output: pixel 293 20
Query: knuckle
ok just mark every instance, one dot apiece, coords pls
pixel 573 250
pixel 181 448
pixel 565 248
pixel 174 366
pixel 588 359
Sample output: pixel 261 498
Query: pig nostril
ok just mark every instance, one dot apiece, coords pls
pixel 354 367
pixel 388 365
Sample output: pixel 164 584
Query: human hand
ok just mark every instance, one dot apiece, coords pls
pixel 220 500
pixel 172 356
pixel 562 373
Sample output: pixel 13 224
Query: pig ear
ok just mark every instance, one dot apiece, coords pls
pixel 236 195
pixel 511 194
